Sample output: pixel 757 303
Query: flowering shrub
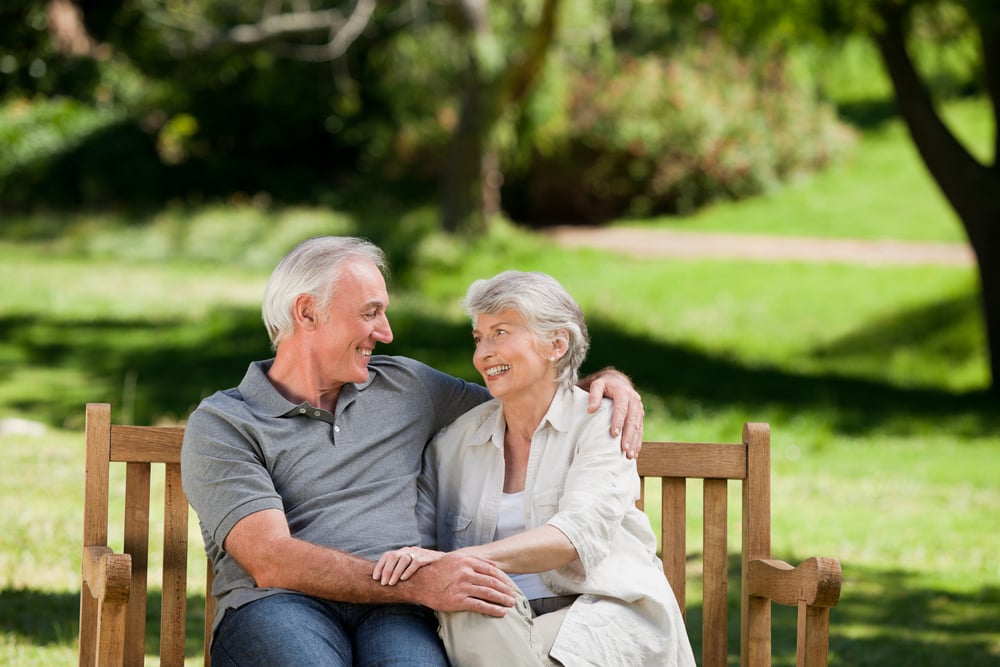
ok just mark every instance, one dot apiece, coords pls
pixel 652 136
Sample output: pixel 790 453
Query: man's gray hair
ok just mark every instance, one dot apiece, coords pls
pixel 313 268
pixel 546 307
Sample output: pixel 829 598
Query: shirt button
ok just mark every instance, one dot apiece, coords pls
pixel 336 429
pixel 316 413
pixel 302 411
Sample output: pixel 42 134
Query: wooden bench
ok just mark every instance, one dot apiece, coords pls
pixel 114 585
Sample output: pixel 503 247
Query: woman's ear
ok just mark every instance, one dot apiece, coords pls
pixel 560 344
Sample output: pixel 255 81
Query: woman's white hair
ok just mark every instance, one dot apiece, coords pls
pixel 313 268
pixel 546 307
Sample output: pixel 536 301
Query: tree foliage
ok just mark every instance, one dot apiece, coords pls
pixel 304 98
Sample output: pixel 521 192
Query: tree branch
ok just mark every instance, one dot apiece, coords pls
pixel 522 74
pixel 278 32
pixel 962 179
pixel 282 26
pixel 69 35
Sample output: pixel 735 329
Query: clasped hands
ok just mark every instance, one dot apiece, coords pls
pixel 460 582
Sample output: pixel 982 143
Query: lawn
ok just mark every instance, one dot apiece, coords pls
pixel 872 378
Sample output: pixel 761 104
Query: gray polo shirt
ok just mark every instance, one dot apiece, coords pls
pixel 345 480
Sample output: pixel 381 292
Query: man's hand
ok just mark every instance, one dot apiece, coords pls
pixel 459 582
pixel 628 413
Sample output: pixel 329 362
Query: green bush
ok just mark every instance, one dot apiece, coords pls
pixel 652 135
pixel 33 132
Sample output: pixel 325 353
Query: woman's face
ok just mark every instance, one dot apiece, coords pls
pixel 510 358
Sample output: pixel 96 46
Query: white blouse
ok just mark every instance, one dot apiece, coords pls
pixel 511 522
pixel 578 481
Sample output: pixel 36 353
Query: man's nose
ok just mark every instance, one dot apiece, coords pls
pixel 384 331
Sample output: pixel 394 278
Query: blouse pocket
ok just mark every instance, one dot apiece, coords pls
pixel 459 528
pixel 544 506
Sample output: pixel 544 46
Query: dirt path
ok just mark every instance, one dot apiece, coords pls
pixel 645 242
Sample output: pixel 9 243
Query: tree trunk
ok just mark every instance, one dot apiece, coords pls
pixel 969 186
pixel 462 208
pixel 474 175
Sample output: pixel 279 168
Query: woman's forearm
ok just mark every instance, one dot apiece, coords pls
pixel 535 550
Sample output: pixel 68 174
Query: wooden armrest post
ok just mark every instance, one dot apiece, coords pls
pixel 812 636
pixel 107 578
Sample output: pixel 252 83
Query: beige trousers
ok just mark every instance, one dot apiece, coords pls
pixel 519 638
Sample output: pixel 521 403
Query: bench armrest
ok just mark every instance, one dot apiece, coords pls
pixel 108 575
pixel 815 582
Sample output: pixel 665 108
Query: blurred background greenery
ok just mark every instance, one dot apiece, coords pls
pixel 158 158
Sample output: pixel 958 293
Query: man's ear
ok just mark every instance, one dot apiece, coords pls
pixel 304 312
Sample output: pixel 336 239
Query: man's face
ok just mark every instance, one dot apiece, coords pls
pixel 353 324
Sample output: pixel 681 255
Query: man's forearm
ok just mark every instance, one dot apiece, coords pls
pixel 325 573
pixel 454 583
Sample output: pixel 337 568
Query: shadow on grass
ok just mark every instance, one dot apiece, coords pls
pixel 44 618
pixel 898 622
pixel 885 617
pixel 154 371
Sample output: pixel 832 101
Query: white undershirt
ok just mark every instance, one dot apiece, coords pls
pixel 510 521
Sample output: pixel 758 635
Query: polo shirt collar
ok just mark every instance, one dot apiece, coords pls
pixel 260 394
pixel 265 400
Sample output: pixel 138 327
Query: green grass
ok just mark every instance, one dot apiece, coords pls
pixel 885 444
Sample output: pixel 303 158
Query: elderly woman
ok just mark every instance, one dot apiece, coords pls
pixel 535 484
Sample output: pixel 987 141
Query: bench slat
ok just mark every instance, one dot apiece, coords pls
pixel 673 535
pixel 175 551
pixel 146 444
pixel 715 645
pixel 692 460
pixel 137 481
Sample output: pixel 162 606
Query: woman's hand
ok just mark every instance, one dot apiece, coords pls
pixel 401 564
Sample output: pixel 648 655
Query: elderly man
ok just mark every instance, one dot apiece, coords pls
pixel 306 472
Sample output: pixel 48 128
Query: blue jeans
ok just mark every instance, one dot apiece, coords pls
pixel 293 629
